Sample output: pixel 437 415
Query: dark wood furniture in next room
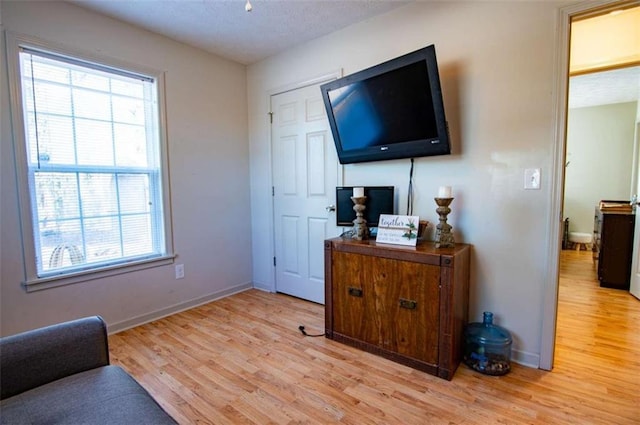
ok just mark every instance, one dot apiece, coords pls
pixel 613 229
pixel 408 304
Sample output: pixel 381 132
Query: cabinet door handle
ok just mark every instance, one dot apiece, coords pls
pixel 408 304
pixel 355 292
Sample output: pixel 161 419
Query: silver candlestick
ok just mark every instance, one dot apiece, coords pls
pixel 444 237
pixel 360 230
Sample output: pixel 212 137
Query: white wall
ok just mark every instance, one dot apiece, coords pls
pixel 209 167
pixel 600 141
pixel 496 67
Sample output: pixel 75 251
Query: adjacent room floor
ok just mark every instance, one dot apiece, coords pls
pixel 243 360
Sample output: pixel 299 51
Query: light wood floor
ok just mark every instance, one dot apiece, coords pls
pixel 242 360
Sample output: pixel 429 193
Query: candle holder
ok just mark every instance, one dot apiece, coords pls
pixel 360 229
pixel 444 237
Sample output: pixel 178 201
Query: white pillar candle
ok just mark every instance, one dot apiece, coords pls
pixel 444 192
pixel 358 192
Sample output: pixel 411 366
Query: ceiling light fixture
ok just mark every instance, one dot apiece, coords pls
pixel 248 6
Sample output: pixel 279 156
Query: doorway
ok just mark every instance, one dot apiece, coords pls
pixel 567 16
pixel 601 145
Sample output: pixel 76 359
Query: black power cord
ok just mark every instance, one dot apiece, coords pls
pixel 410 191
pixel 305 333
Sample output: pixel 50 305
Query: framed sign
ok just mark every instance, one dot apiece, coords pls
pixel 398 229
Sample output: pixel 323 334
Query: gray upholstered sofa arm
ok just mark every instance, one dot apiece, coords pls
pixel 37 357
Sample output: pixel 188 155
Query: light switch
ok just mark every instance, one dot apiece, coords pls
pixel 532 178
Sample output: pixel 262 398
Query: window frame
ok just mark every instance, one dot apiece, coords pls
pixel 33 282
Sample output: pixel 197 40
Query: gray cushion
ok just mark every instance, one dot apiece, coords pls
pixel 106 395
pixel 40 356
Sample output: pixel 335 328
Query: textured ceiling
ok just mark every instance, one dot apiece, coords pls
pixel 224 27
pixel 601 88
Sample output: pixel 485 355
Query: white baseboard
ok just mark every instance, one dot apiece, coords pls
pixel 525 359
pixel 263 287
pixel 177 308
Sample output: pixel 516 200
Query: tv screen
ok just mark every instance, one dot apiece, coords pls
pixel 389 111
pixel 380 200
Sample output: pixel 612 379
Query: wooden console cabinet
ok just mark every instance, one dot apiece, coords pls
pixel 407 304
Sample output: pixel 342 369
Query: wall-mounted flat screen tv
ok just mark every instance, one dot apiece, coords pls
pixel 380 200
pixel 389 111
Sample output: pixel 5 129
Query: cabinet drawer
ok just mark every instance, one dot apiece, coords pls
pixel 389 303
pixel 348 294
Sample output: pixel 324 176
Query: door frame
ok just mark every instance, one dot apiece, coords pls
pixel 560 90
pixel 322 78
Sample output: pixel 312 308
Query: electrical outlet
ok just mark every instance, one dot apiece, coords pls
pixel 179 271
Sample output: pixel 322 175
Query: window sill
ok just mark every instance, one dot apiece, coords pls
pixel 38 284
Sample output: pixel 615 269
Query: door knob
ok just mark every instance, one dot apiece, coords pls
pixel 330 208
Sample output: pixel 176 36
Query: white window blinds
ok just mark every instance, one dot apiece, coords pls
pixel 93 163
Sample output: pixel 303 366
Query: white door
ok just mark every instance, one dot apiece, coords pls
pixel 305 176
pixel 634 286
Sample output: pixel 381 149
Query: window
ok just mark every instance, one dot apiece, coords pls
pixel 92 166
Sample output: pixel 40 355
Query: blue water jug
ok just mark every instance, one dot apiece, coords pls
pixel 487 347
